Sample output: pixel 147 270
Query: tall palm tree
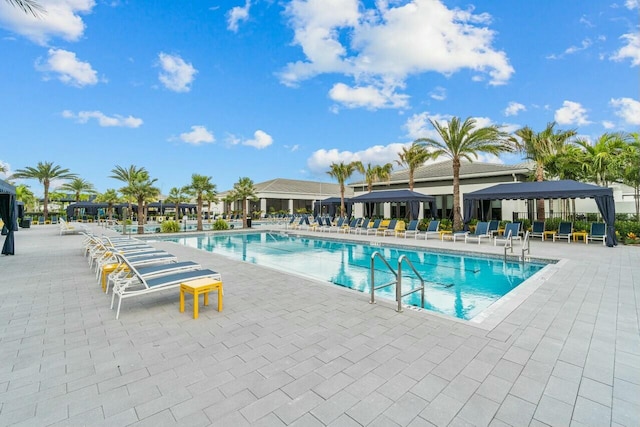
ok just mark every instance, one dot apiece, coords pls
pixel 128 176
pixel 78 186
pixel 342 172
pixel 143 190
pixel 412 158
pixel 462 140
pixel 177 196
pixel 228 199
pixel 110 197
pixel 28 6
pixel 377 173
pixel 628 163
pixel 44 172
pixel 244 189
pixel 210 197
pixel 600 157
pixel 200 185
pixel 540 147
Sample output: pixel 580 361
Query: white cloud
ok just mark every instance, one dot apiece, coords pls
pixel 103 120
pixel 514 108
pixel 176 75
pixel 238 14
pixel 418 125
pixel 198 135
pixel 585 44
pixel 439 94
pixel 320 160
pixel 630 51
pixel 608 125
pixel 62 19
pixel 628 109
pixel 260 140
pixel 632 4
pixel 571 113
pixel 387 44
pixel 68 68
pixel 367 97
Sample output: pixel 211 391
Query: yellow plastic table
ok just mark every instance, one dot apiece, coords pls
pixel 445 233
pixel 582 234
pixel 197 287
pixel 548 234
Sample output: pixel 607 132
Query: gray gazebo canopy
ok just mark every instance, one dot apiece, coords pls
pixel 412 198
pixel 563 189
pixel 8 213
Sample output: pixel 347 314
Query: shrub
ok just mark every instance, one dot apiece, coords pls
pixel 170 227
pixel 220 224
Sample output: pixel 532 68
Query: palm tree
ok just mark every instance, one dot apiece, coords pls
pixel 373 174
pixel 128 176
pixel 228 199
pixel 210 197
pixel 628 163
pixel 200 185
pixel 25 195
pixel 244 189
pixel 464 141
pixel 540 148
pixel 412 158
pixel 78 186
pixel 44 172
pixel 600 157
pixel 28 6
pixel 177 196
pixel 110 197
pixel 342 172
pixel 143 190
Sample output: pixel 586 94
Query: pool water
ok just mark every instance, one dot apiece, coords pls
pixel 456 285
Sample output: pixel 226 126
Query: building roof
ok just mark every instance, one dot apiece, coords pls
pixel 294 186
pixel 443 171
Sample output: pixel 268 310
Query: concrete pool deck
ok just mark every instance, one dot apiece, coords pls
pixel 292 351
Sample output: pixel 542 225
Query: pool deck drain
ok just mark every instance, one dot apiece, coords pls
pixel 287 351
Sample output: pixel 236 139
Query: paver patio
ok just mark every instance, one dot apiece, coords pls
pixel 291 351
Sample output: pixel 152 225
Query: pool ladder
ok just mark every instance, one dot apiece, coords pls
pixel 526 247
pixel 397 282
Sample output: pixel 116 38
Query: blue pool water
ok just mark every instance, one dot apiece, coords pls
pixel 456 285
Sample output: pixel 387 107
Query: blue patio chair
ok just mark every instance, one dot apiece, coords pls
pixel 390 229
pixel 565 229
pixel 412 228
pixel 481 231
pixel 537 229
pixel 364 226
pixel 598 232
pixel 374 228
pixel 493 227
pixel 432 229
pixel 511 233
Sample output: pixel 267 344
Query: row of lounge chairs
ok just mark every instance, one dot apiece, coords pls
pixel 129 268
pixel 597 231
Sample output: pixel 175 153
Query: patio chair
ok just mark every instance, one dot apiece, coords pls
pixel 375 227
pixel 598 232
pixel 390 229
pixel 412 228
pixel 511 233
pixel 493 227
pixel 121 271
pixel 137 284
pixel 565 229
pixel 481 231
pixel 351 226
pixel 537 229
pixel 338 226
pixel 363 226
pixel 432 229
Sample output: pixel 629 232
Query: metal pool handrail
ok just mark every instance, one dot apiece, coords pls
pixel 397 282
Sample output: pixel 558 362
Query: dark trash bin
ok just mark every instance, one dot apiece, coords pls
pixel 248 222
pixel 25 223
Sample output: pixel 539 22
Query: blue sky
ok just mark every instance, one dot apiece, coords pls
pixel 281 89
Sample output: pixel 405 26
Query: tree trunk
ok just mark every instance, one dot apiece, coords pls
pixel 45 210
pixel 411 180
pixel 457 219
pixel 342 199
pixel 199 213
pixel 244 213
pixel 140 215
pixel 540 202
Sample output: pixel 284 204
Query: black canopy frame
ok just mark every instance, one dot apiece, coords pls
pixel 563 189
pixel 412 198
pixel 8 213
pixel 333 205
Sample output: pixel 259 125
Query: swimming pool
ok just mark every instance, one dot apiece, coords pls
pixel 456 285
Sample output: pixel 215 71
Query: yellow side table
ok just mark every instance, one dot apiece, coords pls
pixel 445 233
pixel 197 287
pixel 548 234
pixel 577 234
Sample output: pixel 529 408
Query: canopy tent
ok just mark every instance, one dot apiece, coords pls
pixel 333 206
pixel 87 208
pixel 8 213
pixel 564 189
pixel 412 198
